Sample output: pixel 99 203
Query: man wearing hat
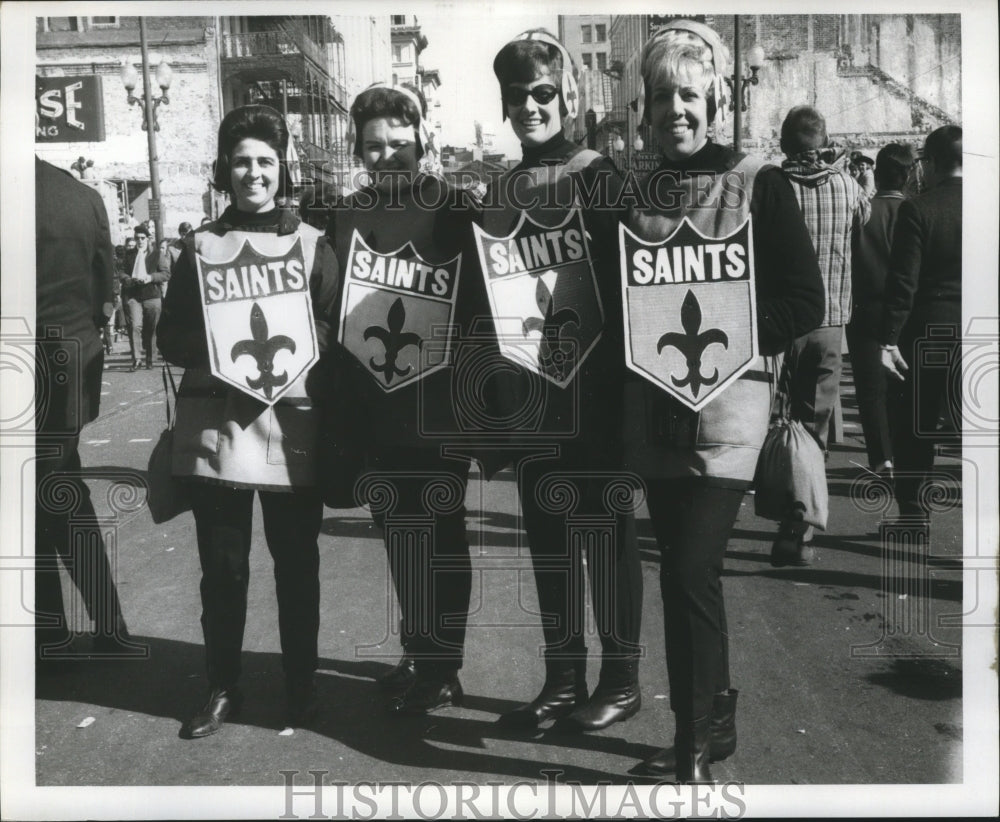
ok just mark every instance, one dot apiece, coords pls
pixel 142 297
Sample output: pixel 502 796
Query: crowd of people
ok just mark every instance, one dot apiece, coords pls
pixel 351 386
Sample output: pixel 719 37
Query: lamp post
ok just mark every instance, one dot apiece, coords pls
pixel 739 86
pixel 149 104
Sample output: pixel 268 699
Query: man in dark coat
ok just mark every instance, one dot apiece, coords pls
pixel 73 291
pixel 142 295
pixel 921 321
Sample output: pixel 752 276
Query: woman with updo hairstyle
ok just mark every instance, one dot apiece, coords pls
pixel 697 464
pixel 403 241
pixel 236 438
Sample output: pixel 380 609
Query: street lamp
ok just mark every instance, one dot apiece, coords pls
pixel 738 85
pixel 130 79
pixel 755 60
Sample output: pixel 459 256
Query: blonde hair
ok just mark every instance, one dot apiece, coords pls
pixel 670 55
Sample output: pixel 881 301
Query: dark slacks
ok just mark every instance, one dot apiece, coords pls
pixel 930 394
pixel 143 315
pixel 571 512
pixel 692 520
pixel 814 361
pixel 870 382
pixel 223 518
pixel 67 530
pixel 417 499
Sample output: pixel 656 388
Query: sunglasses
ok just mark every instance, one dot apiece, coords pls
pixel 542 95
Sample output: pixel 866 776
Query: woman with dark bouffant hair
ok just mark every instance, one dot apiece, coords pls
pixel 246 425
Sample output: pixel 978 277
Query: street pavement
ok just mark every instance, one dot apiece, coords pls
pixel 846 674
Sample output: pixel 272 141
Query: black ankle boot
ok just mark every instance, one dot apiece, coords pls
pixel 222 704
pixel 400 678
pixel 721 745
pixel 565 689
pixel 691 742
pixel 615 699
pixel 428 693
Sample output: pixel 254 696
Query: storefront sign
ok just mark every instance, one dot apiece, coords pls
pixel 69 110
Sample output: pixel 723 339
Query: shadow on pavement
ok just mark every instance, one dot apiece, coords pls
pixel 170 683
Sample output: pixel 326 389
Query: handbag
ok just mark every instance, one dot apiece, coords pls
pixel 167 496
pixel 790 480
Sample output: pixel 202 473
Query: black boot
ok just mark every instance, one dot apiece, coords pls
pixel 430 691
pixel 565 689
pixel 400 678
pixel 721 745
pixel 302 703
pixel 615 699
pixel 691 742
pixel 222 704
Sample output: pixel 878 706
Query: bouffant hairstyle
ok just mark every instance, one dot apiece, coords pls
pixel 892 166
pixel 523 61
pixel 804 129
pixel 385 101
pixel 944 147
pixel 674 54
pixel 256 123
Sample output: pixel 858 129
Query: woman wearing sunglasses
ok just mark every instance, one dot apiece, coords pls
pixel 569 465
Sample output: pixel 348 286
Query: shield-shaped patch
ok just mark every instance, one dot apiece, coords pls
pixel 543 294
pixel 259 320
pixel 393 305
pixel 690 310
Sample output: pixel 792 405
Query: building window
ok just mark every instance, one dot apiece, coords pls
pixel 61 24
pixel 398 19
pixel 395 79
pixel 586 34
pixel 397 53
pixel 103 22
pixel 602 61
pixel 602 33
pixel 588 60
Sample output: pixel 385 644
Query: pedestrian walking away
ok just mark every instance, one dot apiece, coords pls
pixel 571 363
pixel 869 269
pixel 695 425
pixel 246 425
pixel 921 326
pixel 835 208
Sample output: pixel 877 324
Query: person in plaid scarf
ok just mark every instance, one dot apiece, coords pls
pixel 834 207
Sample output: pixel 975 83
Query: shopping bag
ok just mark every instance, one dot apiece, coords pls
pixel 790 481
pixel 167 496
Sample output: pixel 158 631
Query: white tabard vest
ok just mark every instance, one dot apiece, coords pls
pixel 662 437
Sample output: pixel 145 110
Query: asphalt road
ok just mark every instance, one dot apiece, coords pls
pixel 845 673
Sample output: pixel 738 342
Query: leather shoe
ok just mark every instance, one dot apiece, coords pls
pixel 791 547
pixel 400 678
pixel 427 695
pixel 134 366
pixel 222 704
pixel 615 699
pixel 722 739
pixel 562 693
pixel 691 742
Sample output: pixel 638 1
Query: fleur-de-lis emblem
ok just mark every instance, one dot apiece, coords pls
pixel 263 348
pixel 394 340
pixel 554 351
pixel 692 344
